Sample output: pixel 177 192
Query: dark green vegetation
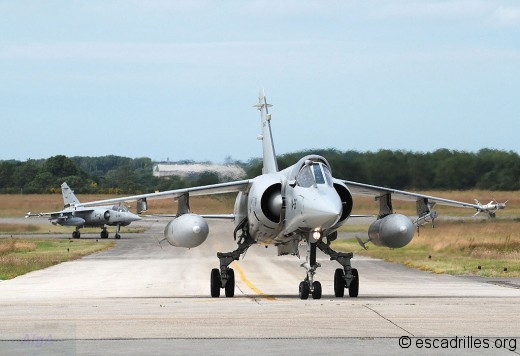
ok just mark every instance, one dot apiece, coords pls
pixel 443 169
pixel 20 256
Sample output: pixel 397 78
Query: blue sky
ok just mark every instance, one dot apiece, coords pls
pixel 177 79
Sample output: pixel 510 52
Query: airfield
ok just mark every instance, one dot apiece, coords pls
pixel 142 297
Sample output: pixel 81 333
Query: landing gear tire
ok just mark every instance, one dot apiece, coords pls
pixel 215 283
pixel 339 283
pixel 304 290
pixel 316 292
pixel 118 236
pixel 353 290
pixel 76 234
pixel 104 234
pixel 230 284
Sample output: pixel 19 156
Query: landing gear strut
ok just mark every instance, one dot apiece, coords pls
pixel 225 277
pixel 346 277
pixel 117 236
pixel 309 285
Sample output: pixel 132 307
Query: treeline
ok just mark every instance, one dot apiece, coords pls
pixel 442 169
pixel 89 175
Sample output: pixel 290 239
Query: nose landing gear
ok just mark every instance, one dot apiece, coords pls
pixel 309 285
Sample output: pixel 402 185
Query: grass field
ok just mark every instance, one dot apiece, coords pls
pixel 18 205
pixel 20 256
pixel 367 205
pixel 454 247
pixel 48 228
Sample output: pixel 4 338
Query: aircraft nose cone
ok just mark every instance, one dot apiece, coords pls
pixel 322 213
pixel 136 217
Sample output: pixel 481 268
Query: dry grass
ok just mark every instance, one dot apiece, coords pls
pixel 457 247
pixel 15 245
pixel 217 204
pixel 13 205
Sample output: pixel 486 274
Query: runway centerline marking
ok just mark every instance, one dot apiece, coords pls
pixel 250 284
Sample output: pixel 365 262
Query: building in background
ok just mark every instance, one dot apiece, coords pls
pixel 191 171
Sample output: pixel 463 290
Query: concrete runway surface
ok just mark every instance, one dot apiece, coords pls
pixel 139 298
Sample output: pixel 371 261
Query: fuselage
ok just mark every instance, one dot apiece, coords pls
pixel 300 201
pixel 95 217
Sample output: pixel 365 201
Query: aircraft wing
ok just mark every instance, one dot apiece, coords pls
pixel 375 191
pixel 64 214
pixel 220 188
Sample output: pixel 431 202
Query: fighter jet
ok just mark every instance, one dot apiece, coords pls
pixel 302 204
pixel 99 216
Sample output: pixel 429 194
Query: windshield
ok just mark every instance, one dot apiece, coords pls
pixel 318 174
pixel 305 178
pixel 312 174
pixel 328 175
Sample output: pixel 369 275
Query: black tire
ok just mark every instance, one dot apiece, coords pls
pixel 353 290
pixel 76 235
pixel 339 283
pixel 304 290
pixel 230 284
pixel 215 283
pixel 104 234
pixel 117 236
pixel 316 293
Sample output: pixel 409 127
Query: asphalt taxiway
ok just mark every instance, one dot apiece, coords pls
pixel 142 297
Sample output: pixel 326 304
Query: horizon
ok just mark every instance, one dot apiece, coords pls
pixel 230 160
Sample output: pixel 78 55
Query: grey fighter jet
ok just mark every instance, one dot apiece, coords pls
pixel 99 216
pixel 302 204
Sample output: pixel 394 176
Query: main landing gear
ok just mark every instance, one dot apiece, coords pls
pixel 104 232
pixel 346 277
pixel 76 234
pixel 225 277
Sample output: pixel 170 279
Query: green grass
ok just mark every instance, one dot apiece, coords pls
pixel 455 247
pixel 47 228
pixel 20 256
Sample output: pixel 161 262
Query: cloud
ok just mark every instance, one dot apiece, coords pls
pixel 432 9
pixel 507 16
pixel 234 52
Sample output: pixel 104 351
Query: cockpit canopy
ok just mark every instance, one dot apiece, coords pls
pixel 120 208
pixel 314 173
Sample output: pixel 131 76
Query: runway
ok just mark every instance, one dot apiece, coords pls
pixel 139 297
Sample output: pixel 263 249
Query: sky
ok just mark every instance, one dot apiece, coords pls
pixel 178 80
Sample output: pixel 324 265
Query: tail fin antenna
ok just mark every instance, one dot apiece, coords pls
pixel 270 163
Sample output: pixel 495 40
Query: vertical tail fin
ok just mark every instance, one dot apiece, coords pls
pixel 68 196
pixel 270 163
